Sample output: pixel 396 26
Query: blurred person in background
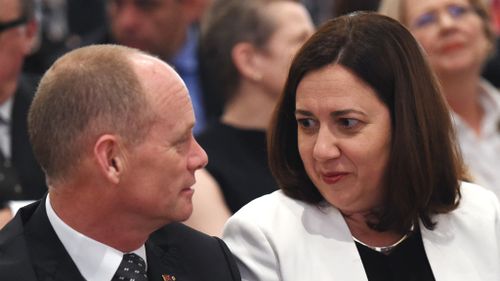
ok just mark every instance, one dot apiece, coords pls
pixel 21 178
pixel 63 26
pixel 344 7
pixel 491 70
pixel 167 29
pixel 246 49
pixel 458 38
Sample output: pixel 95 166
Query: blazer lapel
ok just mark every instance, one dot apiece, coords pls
pixel 50 259
pixel 446 257
pixel 332 248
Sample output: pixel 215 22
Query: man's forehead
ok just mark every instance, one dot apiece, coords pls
pixel 9 10
pixel 153 72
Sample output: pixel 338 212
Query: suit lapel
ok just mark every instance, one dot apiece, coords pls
pixel 50 259
pixel 17 265
pixel 163 262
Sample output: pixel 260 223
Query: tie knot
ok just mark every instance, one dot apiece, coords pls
pixel 132 268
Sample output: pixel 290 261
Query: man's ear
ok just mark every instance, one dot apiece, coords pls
pixel 110 157
pixel 30 36
pixel 247 60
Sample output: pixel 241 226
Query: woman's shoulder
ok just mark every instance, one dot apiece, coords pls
pixel 474 193
pixel 271 203
pixel 479 200
pixel 277 210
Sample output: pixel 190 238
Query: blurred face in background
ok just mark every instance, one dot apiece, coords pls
pixel 451 32
pixel 15 43
pixel 156 26
pixel 293 28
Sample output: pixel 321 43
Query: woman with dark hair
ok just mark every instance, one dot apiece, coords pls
pixel 362 146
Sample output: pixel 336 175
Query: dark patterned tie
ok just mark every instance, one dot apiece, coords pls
pixel 132 268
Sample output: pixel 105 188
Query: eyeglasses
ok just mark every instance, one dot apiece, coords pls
pixel 11 24
pixel 455 12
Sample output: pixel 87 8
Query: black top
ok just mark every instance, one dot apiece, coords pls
pixel 407 261
pixel 237 159
pixel 23 179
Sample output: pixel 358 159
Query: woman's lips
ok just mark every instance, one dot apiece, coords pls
pixel 448 48
pixel 333 177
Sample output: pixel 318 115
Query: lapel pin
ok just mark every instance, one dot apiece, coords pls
pixel 168 277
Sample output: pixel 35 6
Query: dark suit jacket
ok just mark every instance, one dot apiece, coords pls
pixel 29 173
pixel 30 250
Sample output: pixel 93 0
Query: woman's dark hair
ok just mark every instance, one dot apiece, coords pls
pixel 422 176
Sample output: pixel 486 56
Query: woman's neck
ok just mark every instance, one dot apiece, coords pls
pixel 358 225
pixel 250 108
pixel 462 94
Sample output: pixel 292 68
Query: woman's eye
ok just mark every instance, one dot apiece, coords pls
pixel 425 20
pixel 348 122
pixel 457 11
pixel 306 123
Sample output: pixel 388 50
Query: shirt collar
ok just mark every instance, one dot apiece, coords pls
pixel 6 110
pixel 95 260
pixel 490 102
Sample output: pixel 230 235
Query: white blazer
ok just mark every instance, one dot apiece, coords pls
pixel 278 238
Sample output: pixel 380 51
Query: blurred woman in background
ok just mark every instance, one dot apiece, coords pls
pixel 246 48
pixel 457 36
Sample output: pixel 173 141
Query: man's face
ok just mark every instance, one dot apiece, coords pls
pixel 161 168
pixel 15 43
pixel 156 26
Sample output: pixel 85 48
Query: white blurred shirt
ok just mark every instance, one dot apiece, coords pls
pixel 482 153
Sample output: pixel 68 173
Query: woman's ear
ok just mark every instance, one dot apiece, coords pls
pixel 110 157
pixel 246 58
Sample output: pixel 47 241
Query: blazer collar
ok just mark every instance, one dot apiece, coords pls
pixel 444 252
pixel 340 253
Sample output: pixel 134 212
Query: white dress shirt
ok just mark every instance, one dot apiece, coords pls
pixel 482 153
pixel 94 260
pixel 5 120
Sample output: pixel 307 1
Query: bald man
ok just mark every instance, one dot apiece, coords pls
pixel 112 129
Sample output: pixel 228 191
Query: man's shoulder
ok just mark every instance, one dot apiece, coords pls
pixel 182 236
pixel 15 263
pixel 202 254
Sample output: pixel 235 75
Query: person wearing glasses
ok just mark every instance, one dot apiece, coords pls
pixel 458 38
pixel 20 176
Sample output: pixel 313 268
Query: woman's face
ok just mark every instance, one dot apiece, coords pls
pixel 293 26
pixel 451 32
pixel 344 138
